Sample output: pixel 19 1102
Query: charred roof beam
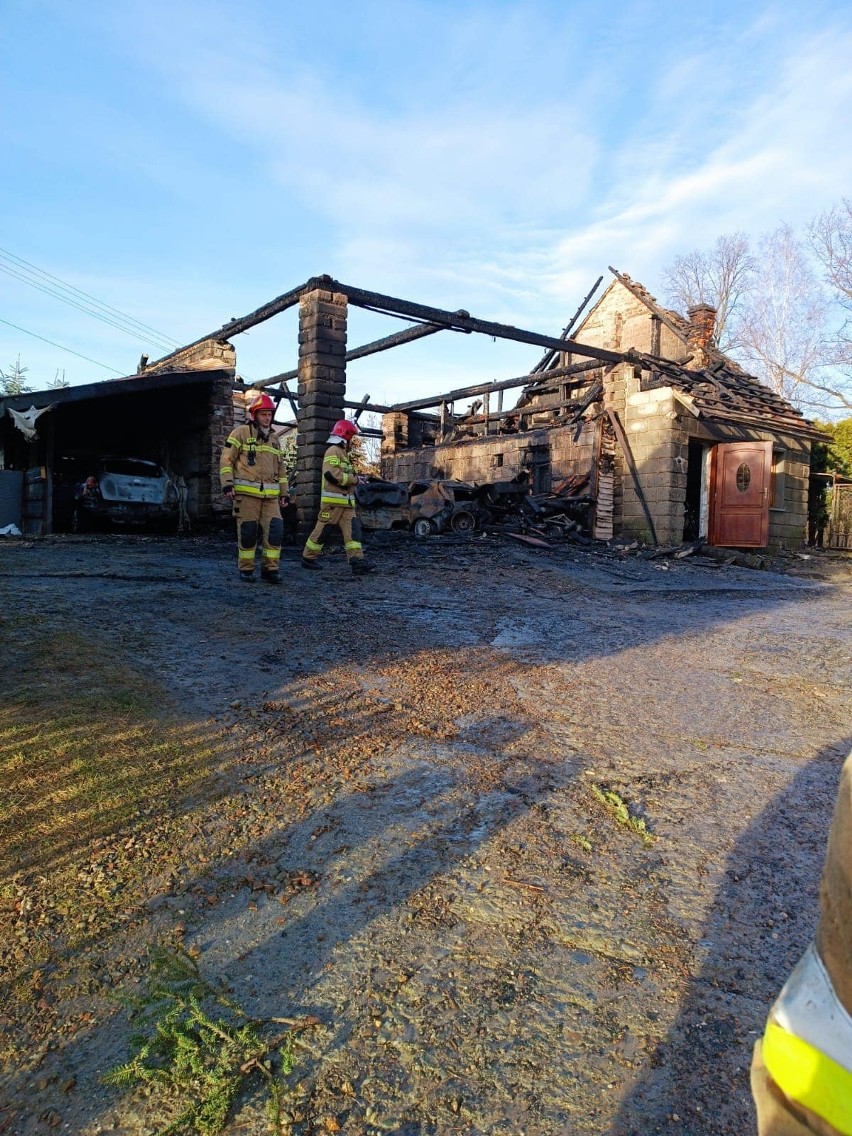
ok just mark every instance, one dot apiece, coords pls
pixel 506 384
pixel 419 331
pixel 463 321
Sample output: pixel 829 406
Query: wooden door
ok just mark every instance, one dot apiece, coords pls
pixel 740 486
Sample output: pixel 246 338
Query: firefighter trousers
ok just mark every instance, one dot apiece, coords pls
pixel 331 516
pixel 258 517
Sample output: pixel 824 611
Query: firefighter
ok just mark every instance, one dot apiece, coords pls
pixel 253 478
pixel 337 502
pixel 801 1074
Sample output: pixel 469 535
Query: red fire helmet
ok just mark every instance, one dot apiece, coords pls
pixel 262 402
pixel 344 429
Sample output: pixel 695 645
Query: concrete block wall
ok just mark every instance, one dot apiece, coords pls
pixel 659 441
pixel 322 389
pixel 394 434
pixel 209 355
pixel 495 458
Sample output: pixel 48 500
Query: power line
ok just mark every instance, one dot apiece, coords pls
pixel 83 308
pixel 30 269
pixel 79 291
pixel 61 348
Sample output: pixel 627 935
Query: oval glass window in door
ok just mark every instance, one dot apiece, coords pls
pixel 743 478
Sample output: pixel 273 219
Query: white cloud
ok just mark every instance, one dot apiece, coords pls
pixel 785 156
pixel 501 158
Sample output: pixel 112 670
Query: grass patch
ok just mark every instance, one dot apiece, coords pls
pixel 617 806
pixel 201 1049
pixel 85 742
pixel 102 784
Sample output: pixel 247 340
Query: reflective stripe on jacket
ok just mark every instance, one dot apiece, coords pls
pixel 338 479
pixel 807 1046
pixel 252 464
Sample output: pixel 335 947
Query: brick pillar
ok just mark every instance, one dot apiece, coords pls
pixel 322 388
pixel 394 437
pixel 210 502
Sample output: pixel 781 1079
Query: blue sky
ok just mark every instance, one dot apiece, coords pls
pixel 185 162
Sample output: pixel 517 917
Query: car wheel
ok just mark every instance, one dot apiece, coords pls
pixel 463 522
pixel 424 527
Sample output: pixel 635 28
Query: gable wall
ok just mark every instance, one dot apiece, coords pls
pixel 620 321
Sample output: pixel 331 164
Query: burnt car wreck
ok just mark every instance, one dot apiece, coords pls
pixel 430 508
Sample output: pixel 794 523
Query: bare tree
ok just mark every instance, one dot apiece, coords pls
pixel 721 276
pixel 831 240
pixel 785 333
pixel 830 237
pixel 774 314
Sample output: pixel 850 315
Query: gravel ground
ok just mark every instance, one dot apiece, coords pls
pixel 403 838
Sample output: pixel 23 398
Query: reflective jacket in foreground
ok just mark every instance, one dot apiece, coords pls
pixel 252 464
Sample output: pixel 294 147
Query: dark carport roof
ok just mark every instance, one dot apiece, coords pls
pixel 110 388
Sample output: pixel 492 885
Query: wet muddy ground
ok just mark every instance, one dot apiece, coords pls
pixel 404 838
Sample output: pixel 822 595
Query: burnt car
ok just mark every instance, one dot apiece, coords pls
pixel 124 492
pixel 443 506
pixel 424 506
pixel 382 504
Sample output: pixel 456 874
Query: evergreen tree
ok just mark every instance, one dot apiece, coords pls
pixel 12 381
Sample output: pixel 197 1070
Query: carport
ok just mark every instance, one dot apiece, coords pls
pixel 175 418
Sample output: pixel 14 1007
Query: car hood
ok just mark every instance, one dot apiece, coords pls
pixel 120 487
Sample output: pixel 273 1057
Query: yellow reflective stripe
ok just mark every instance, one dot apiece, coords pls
pixel 233 440
pixel 271 554
pixel 312 545
pixel 255 490
pixel 226 469
pixel 352 545
pixel 245 554
pixel 809 1077
pixel 334 499
pixel 333 461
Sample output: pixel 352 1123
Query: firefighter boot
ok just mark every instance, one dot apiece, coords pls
pixel 314 565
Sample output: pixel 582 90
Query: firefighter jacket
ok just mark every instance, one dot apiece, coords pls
pixel 338 479
pixel 252 463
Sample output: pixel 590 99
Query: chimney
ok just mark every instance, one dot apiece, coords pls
pixel 702 319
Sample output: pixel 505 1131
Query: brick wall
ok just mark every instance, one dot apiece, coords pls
pixel 496 458
pixel 221 418
pixel 322 389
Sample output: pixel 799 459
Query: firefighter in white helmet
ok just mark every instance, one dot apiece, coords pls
pixel 254 479
pixel 337 502
pixel 801 1074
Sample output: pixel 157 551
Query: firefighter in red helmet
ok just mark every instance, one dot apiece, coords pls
pixel 254 479
pixel 337 502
